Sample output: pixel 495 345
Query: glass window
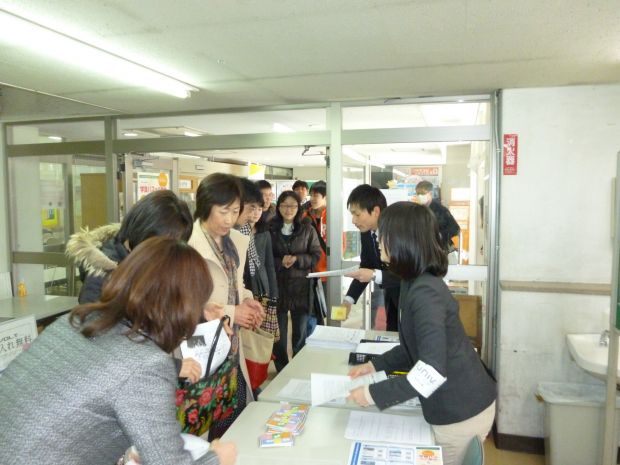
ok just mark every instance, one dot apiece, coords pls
pixel 257 122
pixel 46 133
pixel 416 115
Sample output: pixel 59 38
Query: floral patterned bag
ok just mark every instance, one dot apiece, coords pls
pixel 212 398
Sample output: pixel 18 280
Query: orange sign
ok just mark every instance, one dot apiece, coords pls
pixel 162 179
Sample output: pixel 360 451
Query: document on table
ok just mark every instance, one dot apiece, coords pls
pixel 320 274
pixel 383 427
pixel 376 348
pixel 300 390
pixel 335 338
pixel 329 387
pixel 368 453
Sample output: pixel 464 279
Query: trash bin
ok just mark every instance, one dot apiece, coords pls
pixel 574 422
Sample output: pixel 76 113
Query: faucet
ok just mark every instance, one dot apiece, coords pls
pixel 604 340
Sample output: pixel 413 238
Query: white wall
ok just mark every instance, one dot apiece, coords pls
pixel 555 226
pixel 310 173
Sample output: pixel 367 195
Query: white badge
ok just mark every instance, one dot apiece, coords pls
pixel 425 379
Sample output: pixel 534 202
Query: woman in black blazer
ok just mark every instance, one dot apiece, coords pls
pixel 456 393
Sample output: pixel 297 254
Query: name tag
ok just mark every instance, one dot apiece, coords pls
pixel 425 379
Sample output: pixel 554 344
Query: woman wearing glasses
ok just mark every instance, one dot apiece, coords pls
pixel 296 250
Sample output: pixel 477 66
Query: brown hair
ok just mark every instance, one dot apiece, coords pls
pixel 160 290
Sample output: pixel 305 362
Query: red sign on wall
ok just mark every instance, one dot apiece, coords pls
pixel 511 153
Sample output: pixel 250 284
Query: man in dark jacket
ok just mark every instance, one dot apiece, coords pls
pixel 365 204
pixel 448 227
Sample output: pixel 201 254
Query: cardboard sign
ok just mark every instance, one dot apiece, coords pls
pixel 16 336
pixel 511 154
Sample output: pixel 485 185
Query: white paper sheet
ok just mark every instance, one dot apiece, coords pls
pixel 383 427
pixel 201 342
pixel 320 274
pixel 376 348
pixel 329 387
pixel 300 390
pixel 335 338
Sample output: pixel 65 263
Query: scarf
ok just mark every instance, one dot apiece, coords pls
pixel 229 259
pixel 253 259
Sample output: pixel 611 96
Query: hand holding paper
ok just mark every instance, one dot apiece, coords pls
pixel 344 272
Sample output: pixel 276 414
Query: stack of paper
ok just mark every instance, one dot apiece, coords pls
pixel 383 427
pixel 288 418
pixel 335 338
pixel 375 348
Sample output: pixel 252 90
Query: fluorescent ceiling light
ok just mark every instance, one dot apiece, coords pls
pixel 130 134
pixel 57 138
pixel 279 127
pixel 39 39
pixel 190 134
pixel 400 173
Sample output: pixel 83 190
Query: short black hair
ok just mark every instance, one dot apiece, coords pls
pixel 160 213
pixel 300 183
pixel 367 197
pixel 263 184
pixel 320 187
pixel 410 234
pixel 424 186
pixel 250 192
pixel 216 189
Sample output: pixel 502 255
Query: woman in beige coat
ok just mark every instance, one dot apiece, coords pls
pixel 224 249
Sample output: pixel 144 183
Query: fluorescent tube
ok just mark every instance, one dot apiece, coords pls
pixel 37 38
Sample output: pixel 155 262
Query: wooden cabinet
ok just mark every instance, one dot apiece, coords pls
pixel 470 311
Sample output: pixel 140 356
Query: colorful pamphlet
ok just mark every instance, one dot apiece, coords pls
pixel 283 439
pixel 366 453
pixel 288 418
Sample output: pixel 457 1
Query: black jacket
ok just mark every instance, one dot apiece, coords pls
pixel 293 286
pixel 370 259
pixel 448 227
pixel 97 253
pixel 430 330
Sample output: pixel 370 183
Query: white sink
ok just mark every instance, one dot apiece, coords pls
pixel 589 354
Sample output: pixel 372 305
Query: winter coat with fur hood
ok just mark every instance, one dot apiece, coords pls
pixel 97 253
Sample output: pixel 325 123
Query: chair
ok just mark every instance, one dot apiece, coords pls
pixel 474 455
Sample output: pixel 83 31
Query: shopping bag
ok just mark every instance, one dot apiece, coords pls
pixel 214 397
pixel 318 305
pixel 270 322
pixel 257 348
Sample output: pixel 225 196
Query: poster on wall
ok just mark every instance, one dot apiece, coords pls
pixel 151 182
pixel 511 154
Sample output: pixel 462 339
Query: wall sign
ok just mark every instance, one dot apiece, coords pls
pixel 16 336
pixel 150 182
pixel 511 153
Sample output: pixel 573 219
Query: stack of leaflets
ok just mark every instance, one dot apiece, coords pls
pixel 331 337
pixel 283 425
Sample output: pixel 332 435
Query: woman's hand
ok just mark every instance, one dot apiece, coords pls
pixel 288 260
pixel 259 311
pixel 361 370
pixel 358 395
pixel 190 369
pixel 213 311
pixel 226 451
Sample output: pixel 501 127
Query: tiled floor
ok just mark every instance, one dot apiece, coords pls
pixel 493 456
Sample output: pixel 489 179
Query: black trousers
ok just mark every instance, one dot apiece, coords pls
pixel 299 322
pixel 391 295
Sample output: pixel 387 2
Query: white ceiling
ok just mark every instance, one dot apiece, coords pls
pixel 242 53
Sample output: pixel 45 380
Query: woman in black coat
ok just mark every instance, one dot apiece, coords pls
pixel 456 393
pixel 296 250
